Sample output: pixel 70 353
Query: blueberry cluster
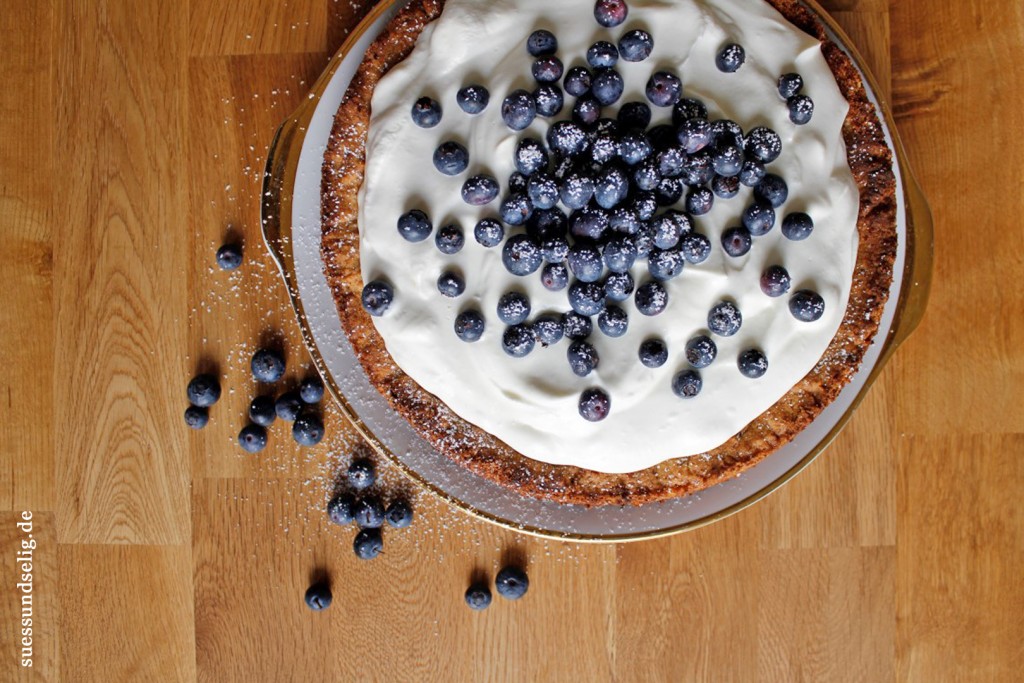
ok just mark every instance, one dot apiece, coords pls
pixel 297 406
pixel 511 584
pixel 358 504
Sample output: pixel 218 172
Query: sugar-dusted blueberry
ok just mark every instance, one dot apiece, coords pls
pixel 577 81
pixel 513 308
pixel 308 429
pixel 699 201
pixel 554 248
pixel 635 115
pixel 613 321
pixel 611 188
pixel 449 239
pixel 368 513
pixel 687 384
pixel 555 277
pixel 634 147
pixel 517 183
pixel 586 298
pixel 752 363
pixel 646 175
pixel 549 99
pixel 696 247
pixel 515 209
pixel 288 405
pixel 730 58
pixel 567 138
pixel 542 189
pixel 619 254
pixel 665 264
pixel 576 191
pixel 521 255
pixel 664 89
pixel 489 232
pixel 772 190
pixel 478 597
pixel 694 134
pixel 469 325
pixel 752 172
pixel 726 188
pixel 644 204
pixel 790 84
pixel 414 225
pixel 623 219
pixel 576 326
pixel 725 319
pixel 759 218
pixel 479 190
pixel 518 110
pixel 608 87
pixel 361 474
pixel 542 42
pixel 727 159
pixel 671 162
pixel 669 191
pixel 651 298
pixel 763 144
pixel 701 351
pixel 583 358
pixel 775 281
pixel 727 131
pixel 252 438
pixel 604 148
pixel 451 158
pixel 602 55
pixel 609 13
pixel 801 109
pixel 318 596
pixel 644 239
pixel 473 99
pixel 548 329
pixel 398 514
pixel 426 113
pixel 204 390
pixel 377 297
pixel 699 169
pixel 653 353
pixel 547 69
pixel 197 417
pixel 807 306
pixel 585 261
pixel 635 45
pixel 368 544
pixel 311 391
pixel 688 108
pixel 341 508
pixel 797 226
pixel 586 111
pixel 267 365
pixel 450 284
pixel 518 340
pixel 736 242
pixel 594 405
pixel 229 256
pixel 618 286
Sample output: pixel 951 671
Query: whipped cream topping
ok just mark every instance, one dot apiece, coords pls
pixel 531 403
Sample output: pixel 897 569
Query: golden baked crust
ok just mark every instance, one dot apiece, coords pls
pixel 871 162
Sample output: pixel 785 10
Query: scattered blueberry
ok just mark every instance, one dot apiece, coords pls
pixel 790 85
pixel 664 89
pixel 586 298
pixel 542 190
pixel 489 232
pixel 651 298
pixel 450 284
pixel 623 219
pixel 554 249
pixel 688 108
pixel 635 115
pixel 288 405
pixel 479 190
pixel 611 188
pixel 590 222
pixel 267 365
pixel 653 353
pixel 619 254
pixel 583 358
pixel 736 242
pixel 478 597
pixel 636 46
pixel 763 144
pixel 451 158
pixel 340 509
pixel 549 99
pixel 665 264
pixel 752 172
pixel 730 58
pixel 469 326
pixel 594 405
pixel 542 42
pixel 513 308
pixel 229 256
pixel 547 69
pixel 618 286
pixel 576 191
pixel 609 13
pixel 669 191
pixel 517 182
pixel 518 341
pixel 724 131
pixel 773 191
pixel 775 281
pixel 671 162
pixel 262 410
pixel 398 514
pixel 473 99
pixel 521 255
pixel 518 110
pixel 699 201
pixel 311 391
pixel 801 109
pixel 602 55
pixel 516 209
pixel 634 148
pixel 727 159
pixel 368 513
pixel 797 226
pixel 726 188
pixel 548 329
pixel 701 351
pixel 646 176
pixel 449 239
pixel 759 219
pixel 204 390
pixel 576 326
pixel 586 111
pixel 694 135
pixel 318 596
pixel 555 277
pixel 687 384
pixel 567 138
pixel 368 543
pixel 724 319
pixel 613 321
pixel 608 87
pixel 252 438
pixel 426 113
pixel 361 474
pixel 377 297
pixel 807 306
pixel 585 262
pixel 577 81
pixel 197 417
pixel 414 226
pixel 696 247
pixel 752 363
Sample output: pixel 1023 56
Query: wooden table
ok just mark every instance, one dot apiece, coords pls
pixel 132 139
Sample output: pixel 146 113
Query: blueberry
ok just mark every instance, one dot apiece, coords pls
pixel 513 308
pixel 773 191
pixel 724 319
pixel 548 330
pixel 775 281
pixel 653 353
pixel 730 58
pixel 613 321
pixel 546 224
pixel 547 69
pixel 669 191
pixel 611 188
pixel 595 404
pixel 262 410
pixel 727 159
pixel 308 429
pixel 414 226
pixel 311 391
pixel 576 326
pixel 636 45
pixel 398 514
pixel 634 148
pixel 516 209
pixel 577 81
pixel 267 365
pixel 583 358
pixel 368 513
pixel 229 256
pixel 807 306
pixel 518 340
pixel 619 254
pixel 736 241
pixel 644 240
pixel 688 108
pixel 623 219
pixel 759 219
pixel 288 405
pixel 197 417
pixel 699 170
pixel 368 543
pixel 555 277
pixel 602 55
pixel 585 262
pixel 473 99
pixel 340 509
pixel 645 204
pixel 451 158
pixel 646 176
pixel 790 84
pixel 518 110
pixel 542 191
pixel 752 363
pixel 542 42
pixel 590 222
pixel 586 298
pixel 801 109
pixel 377 297
pixel 664 89
pixel 618 286
pixel 665 264
pixel 549 99
pixel 694 135
pixel 608 87
pixel 426 113
pixel 696 248
pixel 479 190
pixel 651 298
pixel 609 13
pixel 687 384
pixel 567 138
pixel 204 390
pixel 449 239
pixel 530 156
pixel 450 284
pixel 469 326
pixel 763 144
pixel 318 596
pixel 699 201
pixel 726 188
pixel 361 474
pixel 725 131
pixel 604 148
pixel 586 111
pixel 752 173
pixel 797 226
pixel 671 162
pixel 478 597
pixel 635 115
pixel 521 255
pixel 252 438
pixel 517 183
pixel 489 232
pixel 701 351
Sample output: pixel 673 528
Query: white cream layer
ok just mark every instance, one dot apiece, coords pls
pixel 531 403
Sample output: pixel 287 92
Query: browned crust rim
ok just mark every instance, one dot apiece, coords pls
pixel 871 163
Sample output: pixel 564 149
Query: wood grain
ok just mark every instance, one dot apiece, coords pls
pixel 132 143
